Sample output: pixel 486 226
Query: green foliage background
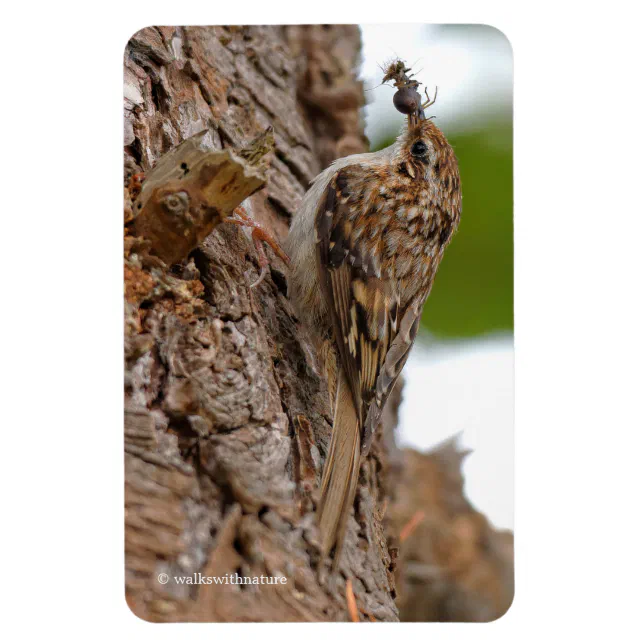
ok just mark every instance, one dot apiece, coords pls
pixel 473 291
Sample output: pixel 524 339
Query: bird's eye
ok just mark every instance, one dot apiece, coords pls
pixel 419 149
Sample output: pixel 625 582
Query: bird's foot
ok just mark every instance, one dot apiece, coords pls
pixel 259 234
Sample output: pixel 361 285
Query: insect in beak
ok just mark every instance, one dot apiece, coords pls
pixel 407 99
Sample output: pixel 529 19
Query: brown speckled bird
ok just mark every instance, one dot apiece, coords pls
pixel 365 247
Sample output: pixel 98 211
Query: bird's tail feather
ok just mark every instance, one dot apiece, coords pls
pixel 340 476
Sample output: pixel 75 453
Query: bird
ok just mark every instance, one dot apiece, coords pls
pixel 365 245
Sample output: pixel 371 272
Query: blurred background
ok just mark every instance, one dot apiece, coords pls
pixel 459 378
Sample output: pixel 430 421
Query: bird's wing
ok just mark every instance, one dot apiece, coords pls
pixel 395 359
pixel 372 334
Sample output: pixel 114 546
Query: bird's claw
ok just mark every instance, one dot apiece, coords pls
pixel 258 235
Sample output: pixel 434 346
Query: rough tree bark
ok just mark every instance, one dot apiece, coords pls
pixel 226 420
pixel 453 565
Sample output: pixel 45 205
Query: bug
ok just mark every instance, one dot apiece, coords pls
pixel 407 100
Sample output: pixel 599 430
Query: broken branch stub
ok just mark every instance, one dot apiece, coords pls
pixel 189 192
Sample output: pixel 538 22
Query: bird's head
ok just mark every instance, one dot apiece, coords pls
pixel 419 150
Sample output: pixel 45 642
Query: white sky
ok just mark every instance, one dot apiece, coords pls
pixel 457 387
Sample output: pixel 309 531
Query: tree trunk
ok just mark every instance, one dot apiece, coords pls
pixel 227 420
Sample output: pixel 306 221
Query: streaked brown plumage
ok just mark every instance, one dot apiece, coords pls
pixel 365 247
